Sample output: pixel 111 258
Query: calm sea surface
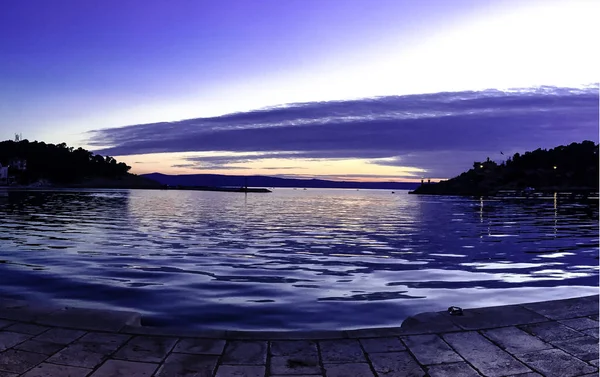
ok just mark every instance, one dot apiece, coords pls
pixel 292 259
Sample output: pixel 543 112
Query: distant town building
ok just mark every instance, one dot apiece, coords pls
pixel 18 164
pixel 3 174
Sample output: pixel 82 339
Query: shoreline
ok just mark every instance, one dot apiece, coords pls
pixel 84 318
pixel 591 193
pixel 552 338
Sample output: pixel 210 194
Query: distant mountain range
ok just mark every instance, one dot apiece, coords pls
pixel 216 180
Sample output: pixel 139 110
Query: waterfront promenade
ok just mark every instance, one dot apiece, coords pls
pixel 552 338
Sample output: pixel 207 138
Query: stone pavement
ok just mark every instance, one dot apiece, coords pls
pixel 553 338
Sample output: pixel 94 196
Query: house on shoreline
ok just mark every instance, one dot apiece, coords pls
pixel 16 165
pixel 3 175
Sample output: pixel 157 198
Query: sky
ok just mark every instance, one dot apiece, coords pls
pixel 394 90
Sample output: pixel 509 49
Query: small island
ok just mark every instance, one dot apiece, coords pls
pixel 570 168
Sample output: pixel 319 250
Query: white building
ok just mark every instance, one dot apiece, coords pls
pixel 18 164
pixel 3 174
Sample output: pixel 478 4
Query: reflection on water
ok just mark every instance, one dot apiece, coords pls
pixel 292 259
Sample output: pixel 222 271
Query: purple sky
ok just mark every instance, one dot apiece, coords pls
pixel 173 71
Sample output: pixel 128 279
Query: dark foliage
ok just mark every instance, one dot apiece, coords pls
pixel 574 166
pixel 59 163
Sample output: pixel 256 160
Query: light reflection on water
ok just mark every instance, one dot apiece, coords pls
pixel 292 259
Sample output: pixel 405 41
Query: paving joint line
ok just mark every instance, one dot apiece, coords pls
pixel 440 335
pixel 367 358
pixel 320 358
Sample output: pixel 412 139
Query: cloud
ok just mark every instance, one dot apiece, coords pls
pixel 349 177
pixel 439 132
pixel 198 166
pixel 283 168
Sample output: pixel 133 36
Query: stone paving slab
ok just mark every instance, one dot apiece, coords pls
pixel 350 369
pixel 515 340
pixel 565 309
pixel 556 363
pixel 240 371
pixel 460 369
pixel 78 356
pixel 551 331
pixel 585 348
pixel 52 370
pixel 297 364
pixel 245 353
pixel 341 351
pixel 200 346
pixel 431 349
pixel 293 347
pixel 582 323
pixel 60 336
pixel 27 328
pixel 17 361
pixel 485 356
pixel 188 365
pixel 378 345
pixel 122 368
pixel 146 349
pixel 45 348
pixel 396 364
pixel 102 342
pixel 591 332
pixel 558 338
pixel 10 339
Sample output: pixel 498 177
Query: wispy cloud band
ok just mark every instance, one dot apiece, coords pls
pixel 437 132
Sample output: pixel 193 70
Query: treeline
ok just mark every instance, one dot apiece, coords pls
pixel 58 163
pixel 574 166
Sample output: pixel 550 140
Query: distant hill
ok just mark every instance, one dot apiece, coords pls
pixel 216 180
pixel 572 167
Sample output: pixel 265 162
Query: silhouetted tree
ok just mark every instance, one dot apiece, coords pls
pixel 573 166
pixel 59 163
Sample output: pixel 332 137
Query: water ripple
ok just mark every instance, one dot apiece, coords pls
pixel 292 259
